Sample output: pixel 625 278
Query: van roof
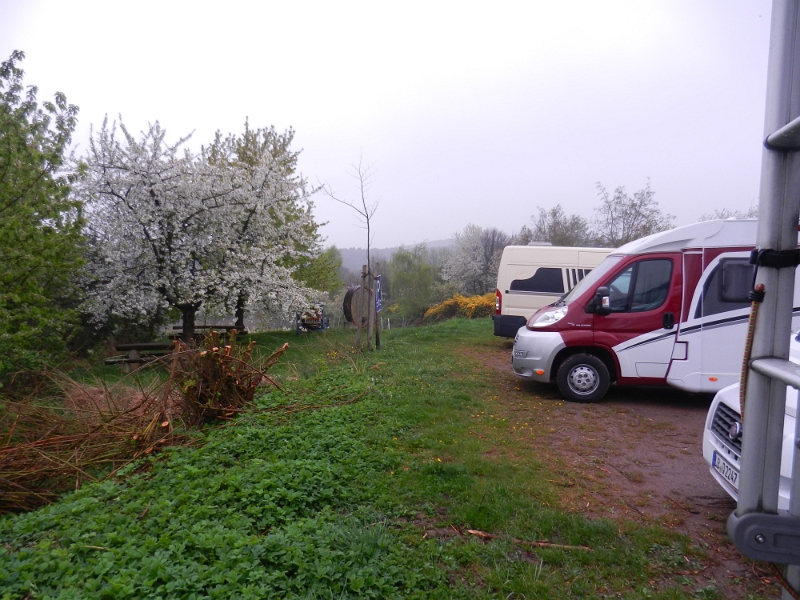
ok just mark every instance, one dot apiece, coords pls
pixel 563 256
pixel 541 248
pixel 719 233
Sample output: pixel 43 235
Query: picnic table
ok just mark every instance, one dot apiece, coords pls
pixel 199 335
pixel 139 353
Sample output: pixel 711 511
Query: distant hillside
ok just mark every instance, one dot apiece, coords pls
pixel 354 258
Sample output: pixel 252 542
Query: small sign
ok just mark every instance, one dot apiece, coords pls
pixel 378 294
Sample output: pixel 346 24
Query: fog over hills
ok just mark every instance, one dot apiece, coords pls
pixel 354 258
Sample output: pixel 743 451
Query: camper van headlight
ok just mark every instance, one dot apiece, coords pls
pixel 549 318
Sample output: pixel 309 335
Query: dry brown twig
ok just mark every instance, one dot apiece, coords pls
pixel 491 536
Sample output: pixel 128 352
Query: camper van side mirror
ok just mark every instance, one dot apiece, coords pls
pixel 602 302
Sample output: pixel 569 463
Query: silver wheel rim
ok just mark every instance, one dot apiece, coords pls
pixel 583 380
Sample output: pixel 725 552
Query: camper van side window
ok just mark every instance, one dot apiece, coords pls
pixel 727 287
pixel 652 284
pixel 545 279
pixel 642 286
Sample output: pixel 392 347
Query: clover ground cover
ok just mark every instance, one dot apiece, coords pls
pixel 360 480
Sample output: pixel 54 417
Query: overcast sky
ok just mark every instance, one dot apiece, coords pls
pixel 469 112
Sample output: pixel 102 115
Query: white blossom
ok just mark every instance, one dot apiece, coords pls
pixel 171 228
pixel 474 259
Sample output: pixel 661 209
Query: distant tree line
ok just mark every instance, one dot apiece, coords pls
pixel 470 265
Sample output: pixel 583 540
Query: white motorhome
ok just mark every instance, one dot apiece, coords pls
pixel 670 308
pixel 530 277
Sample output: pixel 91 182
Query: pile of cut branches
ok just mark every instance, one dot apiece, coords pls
pixel 83 435
pixel 219 379
pixel 86 432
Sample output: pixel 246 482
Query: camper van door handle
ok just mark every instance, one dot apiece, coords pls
pixel 668 320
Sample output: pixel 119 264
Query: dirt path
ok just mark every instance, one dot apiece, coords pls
pixel 636 455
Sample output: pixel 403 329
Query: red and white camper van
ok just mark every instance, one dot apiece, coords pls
pixel 670 308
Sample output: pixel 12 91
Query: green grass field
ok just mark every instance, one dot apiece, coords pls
pixel 360 479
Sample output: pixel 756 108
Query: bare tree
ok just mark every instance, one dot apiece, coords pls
pixel 365 208
pixel 523 237
pixel 363 174
pixel 622 218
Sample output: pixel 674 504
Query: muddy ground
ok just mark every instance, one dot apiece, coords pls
pixel 636 455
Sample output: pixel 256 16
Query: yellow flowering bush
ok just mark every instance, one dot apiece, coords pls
pixel 471 307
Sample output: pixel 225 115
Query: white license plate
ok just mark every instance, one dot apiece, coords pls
pixel 727 470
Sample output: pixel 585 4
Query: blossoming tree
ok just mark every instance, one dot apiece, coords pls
pixel 173 228
pixel 475 258
pixel 293 231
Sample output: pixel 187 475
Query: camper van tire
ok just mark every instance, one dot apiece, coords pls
pixel 583 378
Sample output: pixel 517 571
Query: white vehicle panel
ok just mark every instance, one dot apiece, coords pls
pixel 646 355
pixel 723 455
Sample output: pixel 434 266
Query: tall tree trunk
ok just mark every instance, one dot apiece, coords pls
pixel 240 304
pixel 188 312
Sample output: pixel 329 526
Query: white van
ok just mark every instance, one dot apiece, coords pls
pixel 722 437
pixel 530 277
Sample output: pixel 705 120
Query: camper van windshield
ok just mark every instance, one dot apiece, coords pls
pixel 591 279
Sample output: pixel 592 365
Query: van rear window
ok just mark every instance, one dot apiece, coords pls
pixel 546 279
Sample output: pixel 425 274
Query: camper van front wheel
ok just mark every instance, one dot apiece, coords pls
pixel 583 378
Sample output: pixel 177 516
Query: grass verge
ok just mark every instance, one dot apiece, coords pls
pixel 362 479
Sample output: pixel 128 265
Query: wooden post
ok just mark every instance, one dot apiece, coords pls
pixel 133 354
pixel 370 311
pixel 357 318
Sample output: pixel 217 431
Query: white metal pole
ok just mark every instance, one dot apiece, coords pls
pixel 779 206
pixel 777 229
